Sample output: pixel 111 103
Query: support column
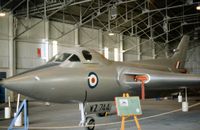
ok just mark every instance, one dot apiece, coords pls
pixel 12 47
pixel 76 36
pixel 166 50
pixel 151 36
pixel 46 37
pixel 138 48
pixel 12 54
pixel 46 29
pixel 121 48
pixel 100 41
pixel 153 49
pixel 46 33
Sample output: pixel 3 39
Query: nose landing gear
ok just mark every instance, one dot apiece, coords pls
pixel 87 122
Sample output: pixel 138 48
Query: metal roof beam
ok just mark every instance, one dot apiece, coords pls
pixel 96 13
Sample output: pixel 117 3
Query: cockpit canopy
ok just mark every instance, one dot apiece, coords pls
pixel 63 57
pixel 81 55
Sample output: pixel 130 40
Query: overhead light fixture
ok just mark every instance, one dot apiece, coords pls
pixel 111 34
pixel 198 7
pixel 113 12
pixel 2 14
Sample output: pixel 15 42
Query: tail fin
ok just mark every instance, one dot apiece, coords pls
pixel 179 56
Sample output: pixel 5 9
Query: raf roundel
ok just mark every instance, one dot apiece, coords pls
pixel 92 80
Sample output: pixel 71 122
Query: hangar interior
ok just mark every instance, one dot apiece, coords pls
pixel 33 31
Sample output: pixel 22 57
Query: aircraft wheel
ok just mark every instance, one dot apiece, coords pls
pixel 101 114
pixel 91 122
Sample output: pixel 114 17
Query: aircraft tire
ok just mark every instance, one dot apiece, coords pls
pixel 91 122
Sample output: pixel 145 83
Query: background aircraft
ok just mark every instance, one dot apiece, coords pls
pixel 81 75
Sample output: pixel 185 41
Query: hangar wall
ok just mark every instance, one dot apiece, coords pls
pixel 38 36
pixel 193 60
pixel 4 44
pixel 142 49
pixel 43 33
pixel 32 34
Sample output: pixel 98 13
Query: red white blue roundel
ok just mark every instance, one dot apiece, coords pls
pixel 92 80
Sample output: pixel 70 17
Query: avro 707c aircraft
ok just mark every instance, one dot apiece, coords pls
pixel 81 75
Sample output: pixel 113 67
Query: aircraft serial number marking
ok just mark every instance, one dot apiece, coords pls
pixel 100 108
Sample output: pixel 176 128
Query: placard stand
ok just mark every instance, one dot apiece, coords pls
pixel 124 117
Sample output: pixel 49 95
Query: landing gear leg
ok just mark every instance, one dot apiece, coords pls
pixel 87 122
pixel 82 110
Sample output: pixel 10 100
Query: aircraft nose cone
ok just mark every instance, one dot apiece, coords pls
pixel 9 84
pixel 17 83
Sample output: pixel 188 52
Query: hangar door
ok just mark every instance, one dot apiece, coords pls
pixel 2 90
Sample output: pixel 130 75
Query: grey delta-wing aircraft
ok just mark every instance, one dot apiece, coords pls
pixel 81 75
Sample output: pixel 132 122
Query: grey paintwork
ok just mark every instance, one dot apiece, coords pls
pixel 67 82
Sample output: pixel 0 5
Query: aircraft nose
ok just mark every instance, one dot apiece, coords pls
pixel 16 83
pixel 9 83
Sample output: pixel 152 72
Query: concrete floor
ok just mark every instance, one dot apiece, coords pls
pixel 65 116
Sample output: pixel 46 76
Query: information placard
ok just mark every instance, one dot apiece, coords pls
pixel 127 106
